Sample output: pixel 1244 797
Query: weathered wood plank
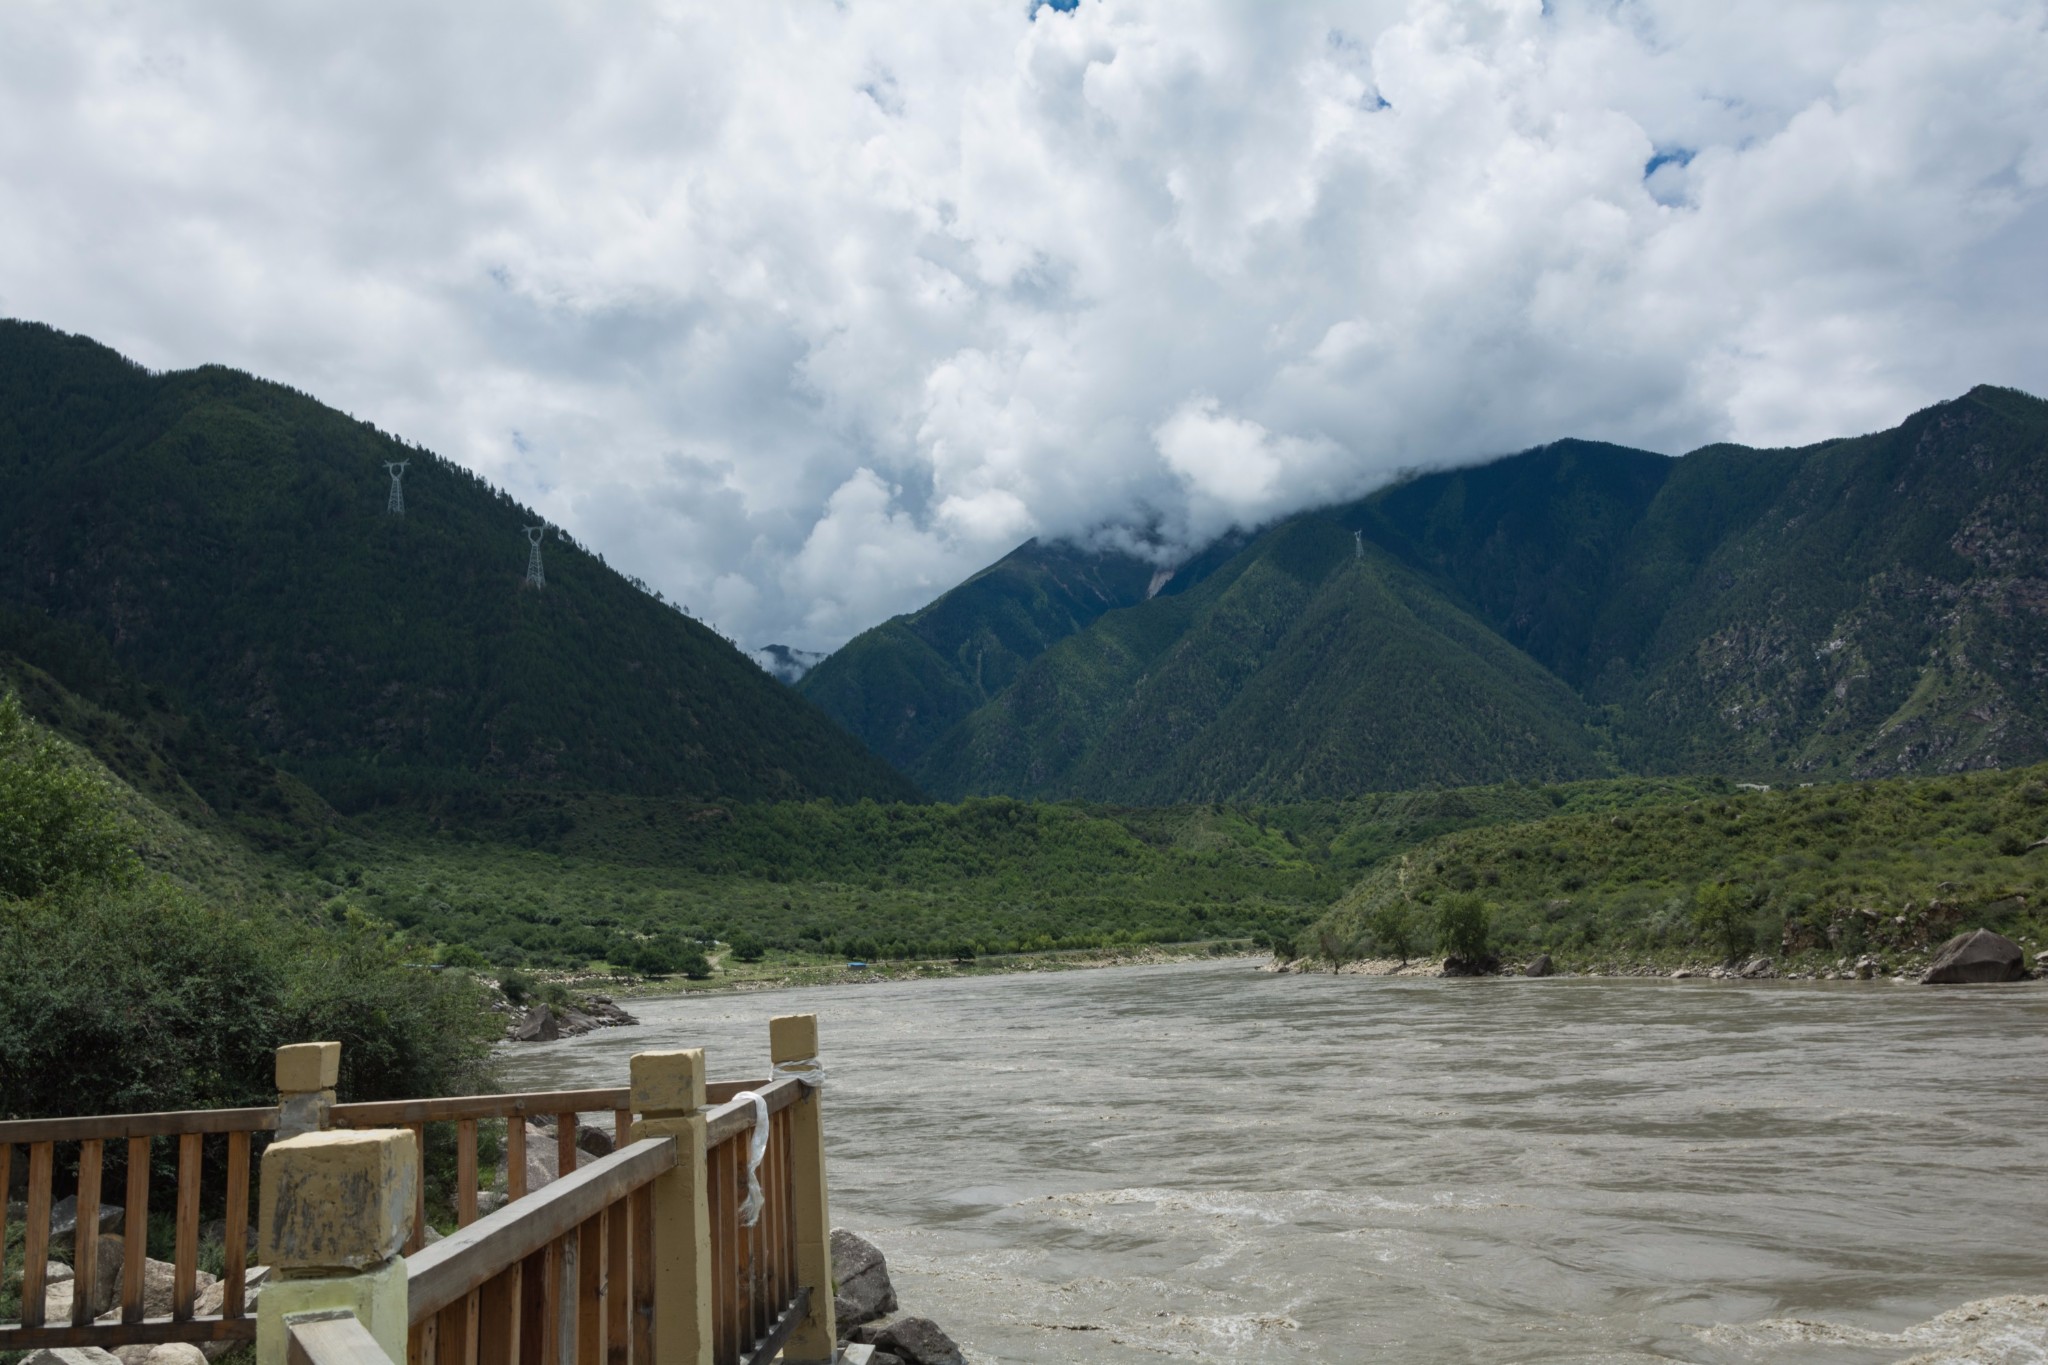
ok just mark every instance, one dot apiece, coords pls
pixel 536 1333
pixel 728 1120
pixel 618 1279
pixel 85 1236
pixel 497 1317
pixel 780 1331
pixel 236 1248
pixel 418 1238
pixel 642 1330
pixel 515 1158
pixel 185 1258
pixel 135 1245
pixel 117 1126
pixel 405 1113
pixel 35 1237
pixel 465 1172
pixel 457 1264
pixel 565 1144
pixel 334 1337
pixel 591 1286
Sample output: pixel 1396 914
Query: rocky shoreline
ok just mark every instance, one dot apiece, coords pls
pixel 864 1303
pixel 1976 957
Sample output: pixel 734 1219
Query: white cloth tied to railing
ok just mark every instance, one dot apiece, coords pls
pixel 757 1147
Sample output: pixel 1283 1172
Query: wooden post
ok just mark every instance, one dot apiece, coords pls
pixel 793 1041
pixel 668 1092
pixel 336 1208
pixel 306 1075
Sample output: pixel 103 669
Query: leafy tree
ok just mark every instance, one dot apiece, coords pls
pixel 747 948
pixel 1721 914
pixel 1463 926
pixel 1393 932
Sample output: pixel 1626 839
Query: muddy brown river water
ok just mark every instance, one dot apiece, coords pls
pixel 1203 1162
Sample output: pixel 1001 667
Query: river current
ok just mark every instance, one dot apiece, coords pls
pixel 1205 1162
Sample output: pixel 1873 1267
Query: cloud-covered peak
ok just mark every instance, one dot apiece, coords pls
pixel 804 312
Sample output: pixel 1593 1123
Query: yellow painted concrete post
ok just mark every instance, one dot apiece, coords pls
pixel 792 1042
pixel 668 1094
pixel 336 1209
pixel 306 1073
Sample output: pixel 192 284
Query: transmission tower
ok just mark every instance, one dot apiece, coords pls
pixel 397 472
pixel 1358 545
pixel 534 577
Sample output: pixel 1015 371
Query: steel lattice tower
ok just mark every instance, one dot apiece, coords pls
pixel 534 577
pixel 397 471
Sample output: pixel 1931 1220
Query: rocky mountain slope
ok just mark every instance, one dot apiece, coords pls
pixel 229 540
pixel 1861 607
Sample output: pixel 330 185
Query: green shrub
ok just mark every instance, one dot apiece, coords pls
pixel 58 826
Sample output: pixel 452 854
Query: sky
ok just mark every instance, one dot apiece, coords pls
pixel 804 311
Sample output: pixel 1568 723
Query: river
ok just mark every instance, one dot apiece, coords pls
pixel 1204 1162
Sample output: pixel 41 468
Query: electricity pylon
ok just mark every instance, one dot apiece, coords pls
pixel 397 472
pixel 534 577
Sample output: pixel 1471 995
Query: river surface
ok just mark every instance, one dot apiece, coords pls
pixel 1204 1162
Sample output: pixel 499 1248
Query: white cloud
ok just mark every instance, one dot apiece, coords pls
pixel 803 312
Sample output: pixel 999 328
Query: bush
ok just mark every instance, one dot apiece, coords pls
pixel 746 948
pixel 144 999
pixel 517 985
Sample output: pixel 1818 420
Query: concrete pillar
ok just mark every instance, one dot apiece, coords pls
pixel 793 1038
pixel 336 1209
pixel 668 1093
pixel 306 1073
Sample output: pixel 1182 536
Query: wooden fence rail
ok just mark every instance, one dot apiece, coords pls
pixel 641 1257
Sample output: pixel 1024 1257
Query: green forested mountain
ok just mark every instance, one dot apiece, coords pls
pixel 228 540
pixel 1300 669
pixel 906 682
pixel 1858 608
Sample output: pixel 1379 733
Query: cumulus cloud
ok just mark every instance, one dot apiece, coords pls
pixel 804 311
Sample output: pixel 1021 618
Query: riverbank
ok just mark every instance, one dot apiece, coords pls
pixel 777 972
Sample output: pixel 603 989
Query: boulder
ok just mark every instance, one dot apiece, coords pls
pixel 64 1221
pixel 1977 956
pixel 176 1353
pixel 56 1272
pixel 1682 974
pixel 594 1142
pixel 862 1276
pixel 918 1341
pixel 1867 967
pixel 1539 965
pixel 158 1282
pixel 1758 968
pixel 212 1300
pixel 70 1355
pixel 537 1025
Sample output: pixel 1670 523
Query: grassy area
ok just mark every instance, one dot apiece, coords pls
pixel 1815 873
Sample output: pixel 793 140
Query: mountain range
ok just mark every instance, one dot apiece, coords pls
pixel 1861 607
pixel 231 543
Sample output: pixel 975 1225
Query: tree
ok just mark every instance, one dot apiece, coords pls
pixel 1462 929
pixel 1721 914
pixel 1392 931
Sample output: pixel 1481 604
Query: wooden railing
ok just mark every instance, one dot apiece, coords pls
pixel 134 1137
pixel 618 1258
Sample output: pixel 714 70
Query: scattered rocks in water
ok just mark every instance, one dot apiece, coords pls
pixel 864 1298
pixel 537 1025
pixel 1977 956
pixel 862 1276
pixel 1539 965
pixel 915 1341
pixel 544 1024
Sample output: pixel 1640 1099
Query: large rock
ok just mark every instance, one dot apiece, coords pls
pixel 1539 965
pixel 70 1355
pixel 64 1221
pixel 862 1276
pixel 1979 955
pixel 919 1342
pixel 536 1026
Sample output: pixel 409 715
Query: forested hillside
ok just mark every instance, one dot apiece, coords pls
pixel 1858 608
pixel 228 539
